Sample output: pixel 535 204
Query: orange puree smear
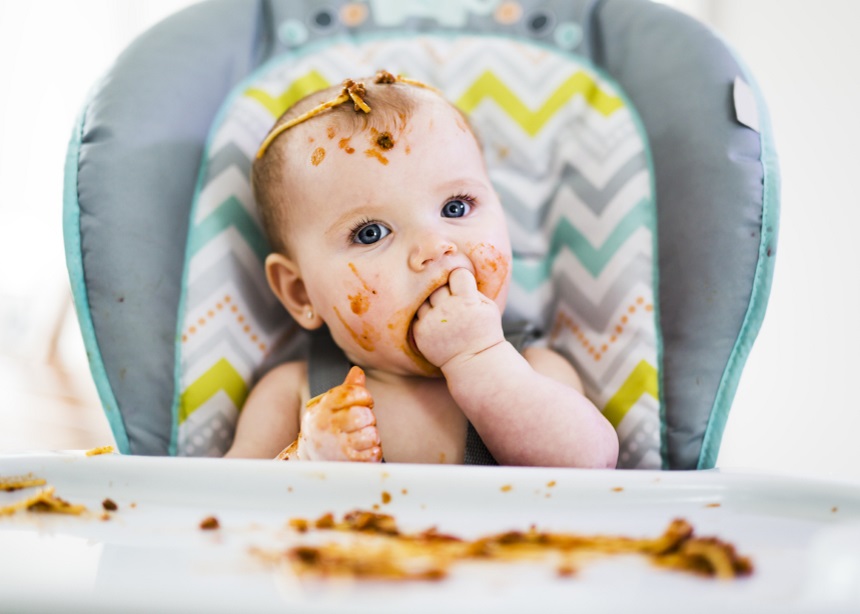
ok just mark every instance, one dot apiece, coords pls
pixel 344 144
pixel 366 339
pixel 491 269
pixel 317 156
pixel 373 153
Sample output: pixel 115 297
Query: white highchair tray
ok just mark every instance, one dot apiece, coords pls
pixel 151 555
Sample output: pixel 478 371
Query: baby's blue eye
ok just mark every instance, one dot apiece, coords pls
pixel 370 233
pixel 456 208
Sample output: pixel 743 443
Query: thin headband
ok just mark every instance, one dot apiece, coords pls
pixel 352 90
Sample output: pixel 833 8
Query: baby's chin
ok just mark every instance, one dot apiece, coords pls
pixel 403 360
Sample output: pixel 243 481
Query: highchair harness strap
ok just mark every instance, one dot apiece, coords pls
pixel 328 366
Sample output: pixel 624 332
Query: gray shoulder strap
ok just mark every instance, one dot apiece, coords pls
pixel 327 364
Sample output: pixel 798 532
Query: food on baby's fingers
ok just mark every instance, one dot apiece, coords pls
pixel 338 425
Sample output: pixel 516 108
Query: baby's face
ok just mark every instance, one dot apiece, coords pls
pixel 384 219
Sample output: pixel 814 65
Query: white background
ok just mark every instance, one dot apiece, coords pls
pixel 796 407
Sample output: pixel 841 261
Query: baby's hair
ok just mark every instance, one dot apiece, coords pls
pixel 352 90
pixel 379 103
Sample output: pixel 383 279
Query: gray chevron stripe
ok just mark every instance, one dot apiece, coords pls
pixel 620 356
pixel 267 311
pixel 596 199
pixel 598 315
pixel 229 155
pixel 601 143
pixel 641 437
pixel 237 352
pixel 211 436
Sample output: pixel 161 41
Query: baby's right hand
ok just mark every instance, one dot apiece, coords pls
pixel 340 425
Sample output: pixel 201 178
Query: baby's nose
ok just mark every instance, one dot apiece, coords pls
pixel 430 248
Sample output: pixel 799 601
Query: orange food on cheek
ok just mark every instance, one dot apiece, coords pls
pixel 366 339
pixel 491 269
pixel 360 301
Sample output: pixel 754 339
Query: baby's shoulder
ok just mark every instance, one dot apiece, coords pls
pixel 285 380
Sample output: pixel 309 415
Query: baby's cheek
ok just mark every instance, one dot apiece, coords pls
pixel 356 311
pixel 492 269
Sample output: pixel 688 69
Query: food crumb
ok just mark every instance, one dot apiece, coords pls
pixel 385 141
pixel 617 489
pixel 105 516
pixel 110 505
pixel 299 524
pixel 210 523
pixel 404 491
pixel 550 484
pixel 386 498
pixel 100 450
pixel 566 571
pixel 132 505
pixel 834 509
pixel 713 505
pixel 506 488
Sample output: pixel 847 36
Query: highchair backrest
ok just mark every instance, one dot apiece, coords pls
pixel 630 147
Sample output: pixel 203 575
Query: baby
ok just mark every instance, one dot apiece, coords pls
pixel 385 228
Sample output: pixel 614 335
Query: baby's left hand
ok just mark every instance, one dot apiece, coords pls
pixel 457 321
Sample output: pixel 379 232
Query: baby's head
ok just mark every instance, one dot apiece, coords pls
pixel 369 212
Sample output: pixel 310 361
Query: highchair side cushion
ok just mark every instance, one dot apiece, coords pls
pixel 717 185
pixel 129 182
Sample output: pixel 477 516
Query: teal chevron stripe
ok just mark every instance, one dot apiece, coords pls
pixel 229 213
pixel 530 275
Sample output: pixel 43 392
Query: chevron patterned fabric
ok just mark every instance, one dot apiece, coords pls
pixel 571 165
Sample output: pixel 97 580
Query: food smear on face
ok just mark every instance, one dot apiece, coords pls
pixel 360 301
pixel 378 550
pixel 400 329
pixel 366 339
pixel 491 269
pixel 344 144
pixel 317 156
pixel 375 153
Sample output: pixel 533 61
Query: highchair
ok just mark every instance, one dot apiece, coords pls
pixel 630 147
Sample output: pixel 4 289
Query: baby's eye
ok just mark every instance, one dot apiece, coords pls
pixel 370 233
pixel 456 208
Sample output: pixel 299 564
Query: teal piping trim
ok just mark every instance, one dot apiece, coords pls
pixel 761 286
pixel 75 266
pixel 359 39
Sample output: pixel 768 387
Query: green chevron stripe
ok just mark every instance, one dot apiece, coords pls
pixel 301 87
pixel 488 85
pixel 530 275
pixel 229 213
pixel 642 380
pixel 221 376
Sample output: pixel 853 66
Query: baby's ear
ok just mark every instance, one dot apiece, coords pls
pixel 286 282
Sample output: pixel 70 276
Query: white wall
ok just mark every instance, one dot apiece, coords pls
pixel 795 409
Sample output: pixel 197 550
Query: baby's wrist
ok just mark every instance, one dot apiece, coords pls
pixel 489 359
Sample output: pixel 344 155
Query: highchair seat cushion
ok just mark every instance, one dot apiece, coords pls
pixel 612 133
pixel 570 163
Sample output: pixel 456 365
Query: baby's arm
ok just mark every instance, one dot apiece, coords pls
pixel 336 425
pixel 270 417
pixel 527 414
